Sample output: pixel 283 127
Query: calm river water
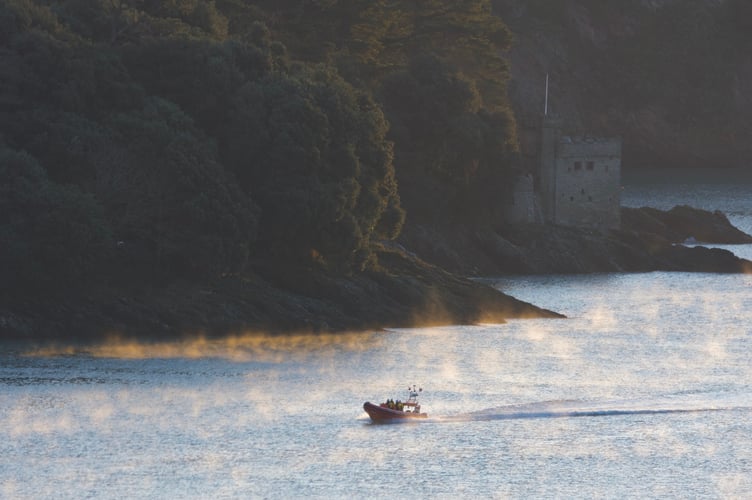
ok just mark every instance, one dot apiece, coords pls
pixel 644 391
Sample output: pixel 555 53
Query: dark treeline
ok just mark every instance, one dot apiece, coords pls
pixel 177 163
pixel 142 142
pixel 671 77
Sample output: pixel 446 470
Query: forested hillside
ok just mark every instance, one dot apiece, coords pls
pixel 145 143
pixel 439 72
pixel 673 78
pixel 198 153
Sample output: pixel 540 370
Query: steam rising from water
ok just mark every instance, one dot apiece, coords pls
pixel 647 381
pixel 239 348
pixel 658 362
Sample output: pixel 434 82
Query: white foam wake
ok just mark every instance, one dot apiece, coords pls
pixel 578 408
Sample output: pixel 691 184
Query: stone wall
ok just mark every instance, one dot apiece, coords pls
pixel 588 182
pixel 524 208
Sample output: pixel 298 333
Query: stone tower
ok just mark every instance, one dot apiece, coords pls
pixel 551 130
pixel 580 178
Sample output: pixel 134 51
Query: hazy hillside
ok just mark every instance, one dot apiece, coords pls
pixel 268 154
pixel 190 164
pixel 674 78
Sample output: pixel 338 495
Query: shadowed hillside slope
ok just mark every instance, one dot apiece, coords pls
pixel 672 78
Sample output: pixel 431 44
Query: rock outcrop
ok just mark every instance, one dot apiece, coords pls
pixel 683 223
pixel 405 293
pixel 649 240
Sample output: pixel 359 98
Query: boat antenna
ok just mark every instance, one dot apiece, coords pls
pixel 545 106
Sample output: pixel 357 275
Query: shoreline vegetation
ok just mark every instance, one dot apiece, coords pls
pixel 214 167
pixel 405 292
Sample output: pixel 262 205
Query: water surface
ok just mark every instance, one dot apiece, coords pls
pixel 644 391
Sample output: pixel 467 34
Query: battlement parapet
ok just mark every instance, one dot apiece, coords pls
pixel 583 147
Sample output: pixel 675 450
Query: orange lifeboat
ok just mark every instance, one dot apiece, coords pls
pixel 396 410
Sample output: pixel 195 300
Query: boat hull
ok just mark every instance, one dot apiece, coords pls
pixel 381 414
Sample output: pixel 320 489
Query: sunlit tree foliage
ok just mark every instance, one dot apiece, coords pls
pixel 312 152
pixel 184 140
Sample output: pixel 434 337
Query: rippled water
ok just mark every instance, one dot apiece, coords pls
pixel 644 391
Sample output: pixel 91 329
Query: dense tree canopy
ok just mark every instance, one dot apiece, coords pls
pixel 52 235
pixel 438 69
pixel 147 140
pixel 320 169
pixel 452 149
pixel 668 76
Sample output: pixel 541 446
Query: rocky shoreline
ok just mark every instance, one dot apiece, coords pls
pixel 406 292
pixel 649 240
pixel 409 289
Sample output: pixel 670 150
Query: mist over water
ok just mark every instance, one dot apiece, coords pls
pixel 644 391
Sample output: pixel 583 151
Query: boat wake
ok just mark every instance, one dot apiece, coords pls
pixel 575 408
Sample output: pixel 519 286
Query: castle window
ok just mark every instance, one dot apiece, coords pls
pixel 589 198
pixel 578 165
pixel 590 165
pixel 582 191
pixel 571 198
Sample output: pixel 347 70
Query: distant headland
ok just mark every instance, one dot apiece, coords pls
pixel 213 168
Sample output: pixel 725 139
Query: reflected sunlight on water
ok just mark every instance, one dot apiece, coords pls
pixel 644 391
pixel 636 389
